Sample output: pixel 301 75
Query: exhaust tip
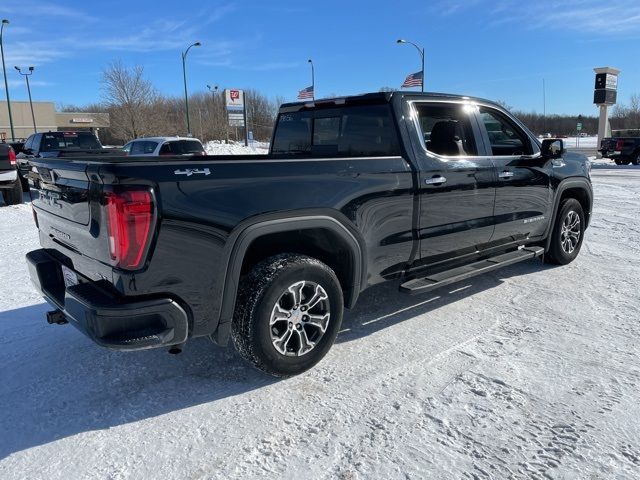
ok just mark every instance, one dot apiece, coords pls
pixel 175 350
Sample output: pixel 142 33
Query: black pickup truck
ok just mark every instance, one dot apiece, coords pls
pixel 427 189
pixel 623 150
pixel 57 145
pixel 9 182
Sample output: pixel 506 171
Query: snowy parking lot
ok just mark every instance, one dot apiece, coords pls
pixel 528 372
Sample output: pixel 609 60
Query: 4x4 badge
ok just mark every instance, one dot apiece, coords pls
pixel 192 171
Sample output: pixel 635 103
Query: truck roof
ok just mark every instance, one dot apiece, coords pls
pixel 378 97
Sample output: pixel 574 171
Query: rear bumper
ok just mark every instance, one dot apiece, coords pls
pixel 120 323
pixel 8 177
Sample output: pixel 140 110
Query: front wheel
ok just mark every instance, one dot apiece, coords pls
pixel 568 233
pixel 636 159
pixel 288 314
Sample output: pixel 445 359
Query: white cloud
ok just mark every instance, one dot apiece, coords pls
pixel 17 84
pixel 592 17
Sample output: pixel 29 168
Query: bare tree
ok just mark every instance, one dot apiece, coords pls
pixel 129 98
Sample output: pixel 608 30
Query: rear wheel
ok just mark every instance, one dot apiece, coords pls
pixel 636 158
pixel 24 182
pixel 13 196
pixel 568 233
pixel 288 313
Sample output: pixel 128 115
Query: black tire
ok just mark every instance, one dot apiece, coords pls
pixel 562 249
pixel 13 196
pixel 618 161
pixel 625 161
pixel 636 158
pixel 264 287
pixel 24 182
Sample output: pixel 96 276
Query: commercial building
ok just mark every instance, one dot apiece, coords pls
pixel 47 119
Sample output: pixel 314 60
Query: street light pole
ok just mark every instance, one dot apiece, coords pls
pixel 421 52
pixel 184 75
pixel 213 90
pixel 313 80
pixel 26 76
pixel 6 84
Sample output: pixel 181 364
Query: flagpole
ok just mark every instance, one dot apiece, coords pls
pixel 313 81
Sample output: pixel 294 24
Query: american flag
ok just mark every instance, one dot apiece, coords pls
pixel 412 80
pixel 305 93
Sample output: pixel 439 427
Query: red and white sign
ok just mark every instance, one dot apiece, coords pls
pixel 234 99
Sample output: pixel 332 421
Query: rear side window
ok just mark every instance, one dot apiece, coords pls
pixel 447 129
pixel 361 131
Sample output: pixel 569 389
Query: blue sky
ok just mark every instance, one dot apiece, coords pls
pixel 499 49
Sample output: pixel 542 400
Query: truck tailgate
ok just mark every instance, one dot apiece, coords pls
pixel 62 190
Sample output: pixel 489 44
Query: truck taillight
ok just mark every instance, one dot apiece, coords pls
pixel 619 144
pixel 130 217
pixel 12 156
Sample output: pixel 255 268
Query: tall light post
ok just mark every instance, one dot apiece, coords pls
pixel 184 74
pixel 313 79
pixel 421 52
pixel 26 77
pixel 6 84
pixel 213 90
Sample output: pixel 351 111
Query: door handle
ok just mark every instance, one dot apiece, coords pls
pixel 438 180
pixel 506 174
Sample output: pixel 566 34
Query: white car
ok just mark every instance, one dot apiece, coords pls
pixel 155 146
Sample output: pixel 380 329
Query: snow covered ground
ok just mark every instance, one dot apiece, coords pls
pixel 528 372
pixel 219 148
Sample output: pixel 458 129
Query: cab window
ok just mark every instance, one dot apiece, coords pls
pixel 357 131
pixel 505 137
pixel 447 129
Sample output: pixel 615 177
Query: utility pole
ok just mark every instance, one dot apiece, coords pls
pixel 6 84
pixel 544 107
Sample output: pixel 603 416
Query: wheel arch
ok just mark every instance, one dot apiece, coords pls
pixel 578 188
pixel 262 234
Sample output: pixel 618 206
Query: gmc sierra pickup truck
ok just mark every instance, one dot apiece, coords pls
pixel 267 250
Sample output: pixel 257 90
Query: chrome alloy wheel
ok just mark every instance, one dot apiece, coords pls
pixel 570 232
pixel 299 318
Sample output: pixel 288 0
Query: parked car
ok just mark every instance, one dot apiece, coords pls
pixel 622 150
pixel 58 145
pixel 266 250
pixel 155 146
pixel 9 182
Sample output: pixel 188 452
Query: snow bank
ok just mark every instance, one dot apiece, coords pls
pixel 234 148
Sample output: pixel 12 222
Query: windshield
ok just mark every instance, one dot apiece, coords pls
pixel 182 147
pixel 54 141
